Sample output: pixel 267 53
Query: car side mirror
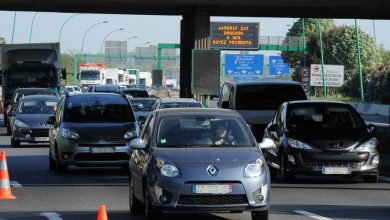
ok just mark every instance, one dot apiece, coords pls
pixel 63 74
pixel 51 120
pixel 11 113
pixel 267 144
pixel 225 104
pixel 137 143
pixel 274 130
pixel 371 128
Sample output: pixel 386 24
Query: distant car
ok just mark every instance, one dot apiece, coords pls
pixel 142 108
pixel 180 163
pixel 91 129
pixel 177 103
pixel 110 88
pixel 73 89
pixel 29 123
pixel 136 93
pixel 89 88
pixel 20 92
pixel 322 138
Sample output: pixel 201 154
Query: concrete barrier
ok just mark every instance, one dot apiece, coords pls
pixel 372 109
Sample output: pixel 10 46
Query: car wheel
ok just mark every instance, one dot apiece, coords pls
pixel 260 215
pixel 8 130
pixel 285 176
pixel 136 206
pixel 14 143
pixel 149 213
pixel 60 168
pixel 371 178
pixel 52 163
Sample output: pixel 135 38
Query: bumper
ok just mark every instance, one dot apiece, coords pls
pixel 200 208
pixel 31 135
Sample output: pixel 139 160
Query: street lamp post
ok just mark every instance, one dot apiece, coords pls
pixel 373 25
pixel 59 35
pixel 134 37
pixel 82 45
pixel 104 39
pixel 32 24
pixel 13 29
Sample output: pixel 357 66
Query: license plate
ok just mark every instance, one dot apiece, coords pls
pixel 99 150
pixel 212 189
pixel 336 170
pixel 41 138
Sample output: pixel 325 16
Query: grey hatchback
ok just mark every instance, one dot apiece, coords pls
pixel 91 129
pixel 196 159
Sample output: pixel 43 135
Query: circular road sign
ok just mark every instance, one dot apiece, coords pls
pixel 304 72
pixel 306 86
pixel 316 69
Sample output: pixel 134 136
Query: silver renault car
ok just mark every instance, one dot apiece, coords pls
pixel 195 159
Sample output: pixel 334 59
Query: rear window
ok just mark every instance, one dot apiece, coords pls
pixel 38 107
pixel 20 94
pixel 137 94
pixel 267 97
pixel 106 88
pixel 112 109
pixel 180 105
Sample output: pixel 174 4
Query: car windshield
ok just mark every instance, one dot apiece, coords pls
pixel 267 97
pixel 106 88
pixel 136 94
pixel 202 131
pixel 77 89
pixel 322 117
pixel 143 105
pixel 90 75
pixel 37 107
pixel 45 77
pixel 180 105
pixel 97 110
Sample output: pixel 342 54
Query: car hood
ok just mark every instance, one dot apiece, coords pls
pixel 208 155
pixel 334 139
pixel 34 120
pixel 101 131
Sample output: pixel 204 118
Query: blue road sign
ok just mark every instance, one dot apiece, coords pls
pixel 277 67
pixel 244 64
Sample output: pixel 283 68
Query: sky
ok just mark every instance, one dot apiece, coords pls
pixel 147 28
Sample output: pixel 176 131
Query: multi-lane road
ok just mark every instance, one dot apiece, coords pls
pixel 43 194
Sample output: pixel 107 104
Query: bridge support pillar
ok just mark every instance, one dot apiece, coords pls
pixel 195 34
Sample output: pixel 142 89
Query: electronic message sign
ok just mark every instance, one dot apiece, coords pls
pixel 229 35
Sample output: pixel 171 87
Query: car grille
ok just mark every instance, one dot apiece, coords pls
pixel 40 132
pixel 103 145
pixel 212 199
pixel 101 157
pixel 334 163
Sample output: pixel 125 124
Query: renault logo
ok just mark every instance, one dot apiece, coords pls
pixel 43 124
pixel 212 170
pixel 337 145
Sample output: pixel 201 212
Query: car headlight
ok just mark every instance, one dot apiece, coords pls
pixel 254 169
pixel 368 145
pixel 20 124
pixel 69 134
pixel 167 168
pixel 130 135
pixel 298 145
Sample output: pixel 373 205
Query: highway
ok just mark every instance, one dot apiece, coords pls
pixel 43 194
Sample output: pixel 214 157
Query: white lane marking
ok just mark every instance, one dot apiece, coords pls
pixel 15 184
pixel 384 178
pixel 311 215
pixel 51 215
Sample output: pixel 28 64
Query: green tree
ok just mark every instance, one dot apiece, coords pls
pixel 2 40
pixel 67 63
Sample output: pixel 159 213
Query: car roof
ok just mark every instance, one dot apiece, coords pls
pixel 316 102
pixel 32 89
pixel 35 97
pixel 133 89
pixel 100 94
pixel 170 100
pixel 192 111
pixel 266 82
pixel 107 86
pixel 143 99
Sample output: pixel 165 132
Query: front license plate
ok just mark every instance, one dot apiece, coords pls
pixel 100 150
pixel 212 189
pixel 41 138
pixel 336 170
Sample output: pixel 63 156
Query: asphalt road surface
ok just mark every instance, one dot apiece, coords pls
pixel 43 194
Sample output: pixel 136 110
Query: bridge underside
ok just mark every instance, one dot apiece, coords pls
pixel 371 9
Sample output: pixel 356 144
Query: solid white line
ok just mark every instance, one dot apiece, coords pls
pixel 51 215
pixel 15 184
pixel 311 215
pixel 384 178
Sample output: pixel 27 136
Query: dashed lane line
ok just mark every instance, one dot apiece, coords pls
pixel 15 184
pixel 311 215
pixel 51 215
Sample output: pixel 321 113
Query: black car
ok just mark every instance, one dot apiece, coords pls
pixel 111 88
pixel 91 129
pixel 20 92
pixel 322 138
pixel 136 93
pixel 29 121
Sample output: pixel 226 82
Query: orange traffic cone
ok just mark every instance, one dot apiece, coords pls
pixel 5 186
pixel 102 213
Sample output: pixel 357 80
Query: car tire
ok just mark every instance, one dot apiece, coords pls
pixel 148 209
pixel 8 130
pixel 371 178
pixel 136 206
pixel 60 168
pixel 285 176
pixel 52 162
pixel 260 215
pixel 14 143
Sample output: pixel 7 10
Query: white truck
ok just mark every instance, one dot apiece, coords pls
pixel 112 76
pixel 92 74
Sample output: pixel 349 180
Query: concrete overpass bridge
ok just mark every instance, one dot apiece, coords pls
pixel 195 23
